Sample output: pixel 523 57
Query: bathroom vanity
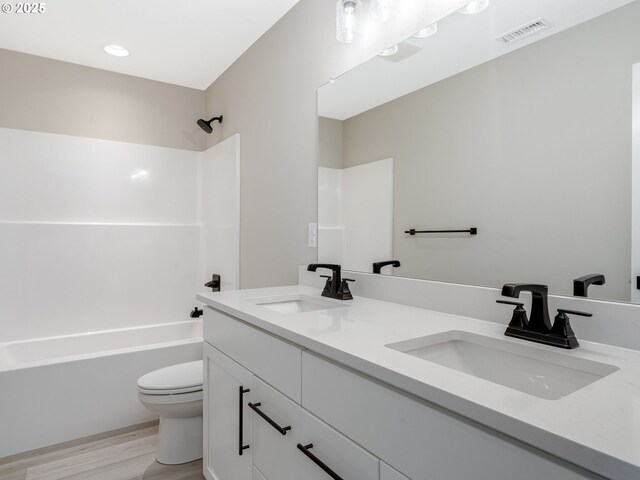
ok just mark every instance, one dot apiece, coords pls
pixel 300 386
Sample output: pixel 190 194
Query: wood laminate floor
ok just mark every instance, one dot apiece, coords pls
pixel 123 456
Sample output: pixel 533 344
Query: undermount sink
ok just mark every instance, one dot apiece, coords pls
pixel 544 374
pixel 295 303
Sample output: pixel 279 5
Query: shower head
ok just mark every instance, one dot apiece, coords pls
pixel 206 125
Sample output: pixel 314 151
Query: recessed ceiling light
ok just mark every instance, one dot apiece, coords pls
pixel 116 50
pixel 389 51
pixel 427 31
pixel 476 6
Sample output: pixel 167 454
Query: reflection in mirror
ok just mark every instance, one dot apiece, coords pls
pixel 516 121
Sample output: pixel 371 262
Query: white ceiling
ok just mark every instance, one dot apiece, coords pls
pixel 462 42
pixel 187 43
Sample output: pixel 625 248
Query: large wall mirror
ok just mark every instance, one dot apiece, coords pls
pixel 522 122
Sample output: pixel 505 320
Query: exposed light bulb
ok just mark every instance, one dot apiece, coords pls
pixel 427 31
pixel 384 10
pixel 348 20
pixel 389 51
pixel 475 6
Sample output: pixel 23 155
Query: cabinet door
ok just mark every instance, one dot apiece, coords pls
pixel 227 421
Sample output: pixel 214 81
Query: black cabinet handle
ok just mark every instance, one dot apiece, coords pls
pixel 241 446
pixel 305 449
pixel 254 407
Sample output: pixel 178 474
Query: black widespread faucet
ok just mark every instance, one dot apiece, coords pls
pixel 581 285
pixel 336 286
pixel 377 266
pixel 539 319
pixel 538 328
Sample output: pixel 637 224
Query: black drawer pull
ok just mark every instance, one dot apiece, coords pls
pixel 241 446
pixel 305 449
pixel 254 407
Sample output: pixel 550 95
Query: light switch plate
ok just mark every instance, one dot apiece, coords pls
pixel 313 235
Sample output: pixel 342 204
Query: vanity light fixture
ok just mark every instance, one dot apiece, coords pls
pixel 348 20
pixel 116 50
pixel 427 31
pixel 475 6
pixel 384 10
pixel 389 51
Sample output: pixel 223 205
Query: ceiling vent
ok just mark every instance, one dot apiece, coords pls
pixel 525 31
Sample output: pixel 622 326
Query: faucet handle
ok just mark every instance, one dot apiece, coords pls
pixel 506 302
pixel 327 285
pixel 519 318
pixel 575 312
pixel 562 327
pixel 344 289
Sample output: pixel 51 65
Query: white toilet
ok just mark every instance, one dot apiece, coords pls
pixel 175 394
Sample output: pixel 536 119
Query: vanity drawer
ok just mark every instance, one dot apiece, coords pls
pixel 421 441
pixel 275 361
pixel 274 454
pixel 337 452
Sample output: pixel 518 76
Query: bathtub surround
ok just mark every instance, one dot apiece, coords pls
pixel 273 99
pixel 105 232
pixel 220 213
pixel 108 238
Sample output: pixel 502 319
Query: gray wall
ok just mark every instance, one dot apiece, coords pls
pixel 533 148
pixel 329 142
pixel 56 97
pixel 269 96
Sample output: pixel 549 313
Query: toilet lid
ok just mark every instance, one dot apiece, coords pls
pixel 173 379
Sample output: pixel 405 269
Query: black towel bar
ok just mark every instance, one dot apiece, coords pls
pixel 470 231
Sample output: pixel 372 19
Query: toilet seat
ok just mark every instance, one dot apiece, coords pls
pixel 181 379
pixel 170 399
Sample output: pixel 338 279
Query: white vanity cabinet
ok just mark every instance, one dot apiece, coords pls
pixel 309 417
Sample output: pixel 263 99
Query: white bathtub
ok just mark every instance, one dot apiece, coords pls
pixel 62 388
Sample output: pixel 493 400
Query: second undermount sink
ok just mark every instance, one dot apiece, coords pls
pixel 295 303
pixel 538 372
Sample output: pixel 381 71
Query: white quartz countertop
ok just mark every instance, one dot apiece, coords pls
pixel 597 427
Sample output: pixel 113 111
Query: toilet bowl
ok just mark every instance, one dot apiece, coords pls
pixel 175 394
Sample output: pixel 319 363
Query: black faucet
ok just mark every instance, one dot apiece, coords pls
pixel 378 265
pixel 539 319
pixel 538 328
pixel 196 312
pixel 335 286
pixel 581 285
